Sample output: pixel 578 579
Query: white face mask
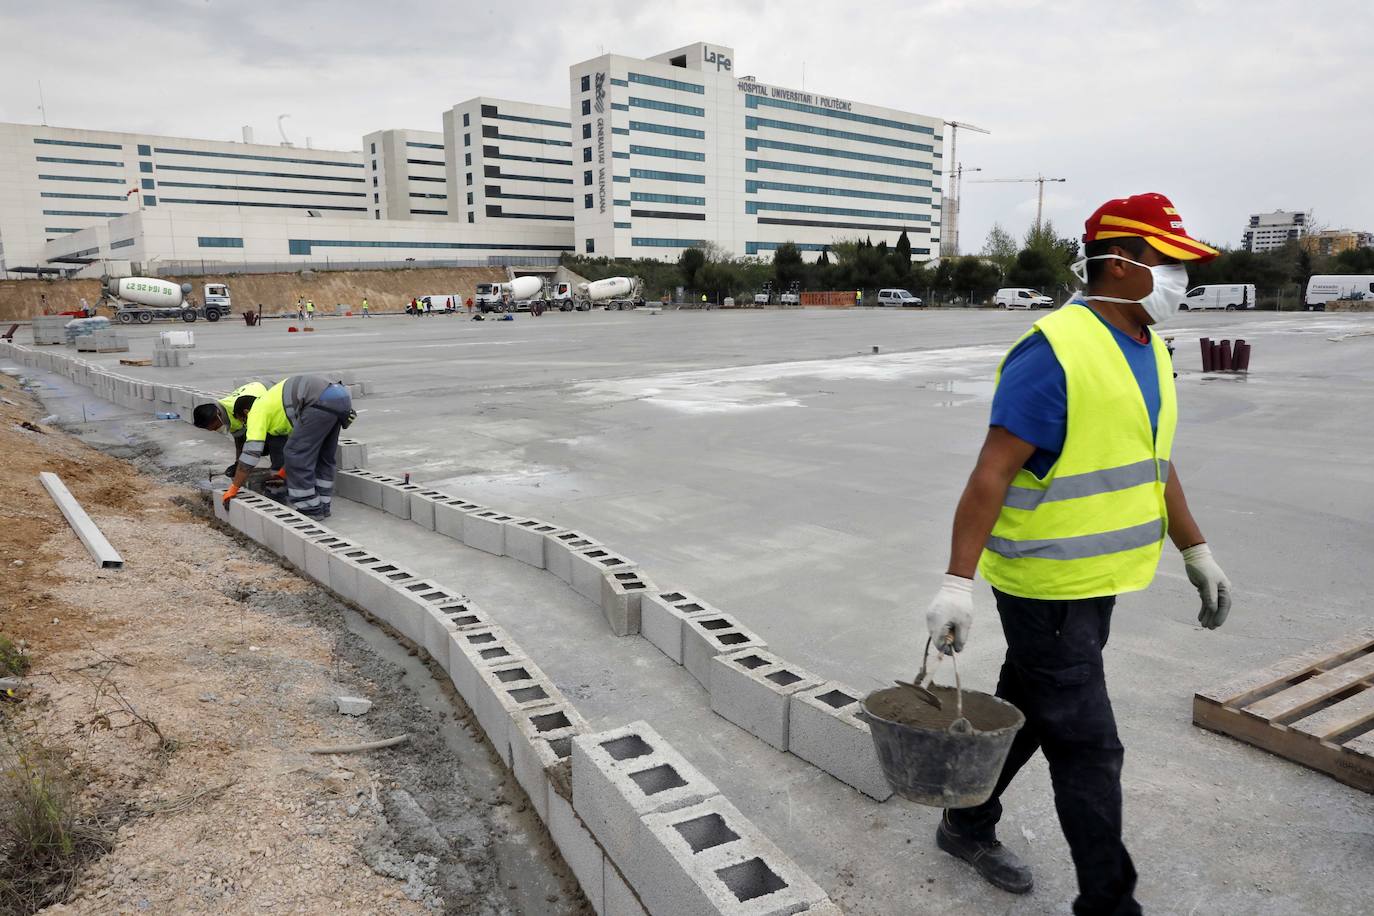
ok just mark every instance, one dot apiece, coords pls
pixel 1170 285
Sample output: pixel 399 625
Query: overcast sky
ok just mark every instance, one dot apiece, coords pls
pixel 1228 107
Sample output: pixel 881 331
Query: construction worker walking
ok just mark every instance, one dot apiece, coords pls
pixel 367 310
pixel 310 411
pixel 309 311
pixel 1068 507
pixel 222 414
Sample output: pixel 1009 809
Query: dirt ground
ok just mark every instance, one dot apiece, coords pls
pixel 185 690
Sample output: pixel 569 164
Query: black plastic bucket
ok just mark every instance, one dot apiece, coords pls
pixel 937 766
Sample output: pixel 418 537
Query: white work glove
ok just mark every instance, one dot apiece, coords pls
pixel 1211 584
pixel 951 613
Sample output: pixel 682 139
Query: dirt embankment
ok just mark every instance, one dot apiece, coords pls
pixel 175 699
pixel 385 290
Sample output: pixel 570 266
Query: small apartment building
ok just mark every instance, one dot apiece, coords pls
pixel 509 164
pixel 407 178
pixel 1330 242
pixel 682 148
pixel 58 181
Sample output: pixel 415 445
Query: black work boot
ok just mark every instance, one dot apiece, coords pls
pixel 998 865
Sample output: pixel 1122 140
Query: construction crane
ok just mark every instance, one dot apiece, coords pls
pixel 1038 179
pixel 949 239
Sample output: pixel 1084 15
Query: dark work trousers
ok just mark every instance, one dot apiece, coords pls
pixel 276 451
pixel 1053 673
pixel 311 460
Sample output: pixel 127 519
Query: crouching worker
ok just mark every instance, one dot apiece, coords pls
pixel 221 414
pixel 310 411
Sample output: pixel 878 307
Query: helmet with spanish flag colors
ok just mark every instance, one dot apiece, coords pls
pixel 1151 217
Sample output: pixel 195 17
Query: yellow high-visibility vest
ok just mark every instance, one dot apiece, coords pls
pixel 256 389
pixel 1095 524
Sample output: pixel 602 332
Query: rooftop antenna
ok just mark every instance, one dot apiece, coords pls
pixel 803 76
pixel 42 107
pixel 281 130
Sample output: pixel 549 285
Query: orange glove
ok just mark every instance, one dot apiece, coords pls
pixel 230 494
pixel 280 474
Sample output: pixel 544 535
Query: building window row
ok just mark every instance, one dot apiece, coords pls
pixel 494 192
pixel 522 120
pixel 82 253
pixel 219 241
pixel 643 242
pixel 122 243
pixel 496 211
pixel 621 203
pixel 619 82
pixel 755 165
pixel 668 176
pixel 438 162
pixel 47 142
pixel 493 171
pixel 836 224
pixel 751 248
pixel 667 153
pixel 619 155
pixel 79 213
pixel 58 229
pixel 258 203
pixel 304 246
pixel 428 177
pixel 656 105
pixel 668 130
pixel 59 195
pixel 235 187
pixel 624 131
pixel 753 187
pixel 622 225
pixel 666 214
pixel 429 196
pixel 755 101
pixel 619 106
pixel 622 179
pixel 81 178
pixel 415 145
pixel 752 123
pixel 544 140
pixel 660 82
pixel 209 171
pixel 754 144
pixel 429 212
pixel 59 160
pixel 492 152
pixel 755 206
pixel 216 155
pixel 647 198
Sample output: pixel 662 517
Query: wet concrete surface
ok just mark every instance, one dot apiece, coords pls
pixel 773 465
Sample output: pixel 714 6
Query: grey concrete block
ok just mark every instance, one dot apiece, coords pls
pixel 317 552
pixel 590 566
pixel 422 507
pixel 344 566
pixel 217 503
pixel 661 617
pixel 396 497
pixel 348 485
pixel 708 635
pixel 486 530
pixel 709 859
pixel 828 730
pixel 375 589
pixel 474 648
pixel 579 849
pixel 619 776
pixel 369 488
pixel 243 517
pixel 294 537
pixel 621 594
pixel 753 689
pixel 541 751
pixel 441 622
pixel 411 600
pixel 525 540
pixel 448 517
pixel 559 549
pixel 351 454
pixel 274 521
pixel 621 900
pixel 505 689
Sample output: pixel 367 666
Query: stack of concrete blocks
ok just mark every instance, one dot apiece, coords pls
pixel 49 330
pixel 172 349
pixel 670 834
pixel 102 340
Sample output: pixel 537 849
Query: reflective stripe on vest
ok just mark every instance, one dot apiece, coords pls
pixel 1094 525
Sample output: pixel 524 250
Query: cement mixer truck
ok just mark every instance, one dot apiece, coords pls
pixel 143 299
pixel 515 296
pixel 615 293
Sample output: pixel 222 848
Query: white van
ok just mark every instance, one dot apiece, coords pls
pixel 1019 297
pixel 1330 287
pixel 1228 296
pixel 897 297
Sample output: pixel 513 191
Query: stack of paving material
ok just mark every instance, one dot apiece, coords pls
pixel 103 340
pixel 80 327
pixel 173 349
pixel 50 329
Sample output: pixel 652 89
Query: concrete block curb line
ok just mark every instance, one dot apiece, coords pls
pixel 621 594
pixel 541 751
pixel 422 508
pixel 618 777
pixel 474 648
pixel 828 731
pixel 754 689
pixel 710 859
pixel 559 549
pixel 590 565
pixel 486 530
pixel 525 540
pixel 707 635
pixel 578 848
pixel 661 619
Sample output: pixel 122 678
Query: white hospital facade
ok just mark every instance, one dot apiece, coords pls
pixel 646 158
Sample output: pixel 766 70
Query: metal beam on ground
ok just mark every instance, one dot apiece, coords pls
pixel 101 549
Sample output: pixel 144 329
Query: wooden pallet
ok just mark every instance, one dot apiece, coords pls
pixel 1315 708
pixel 135 362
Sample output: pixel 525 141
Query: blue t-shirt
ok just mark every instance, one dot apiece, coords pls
pixel 1032 399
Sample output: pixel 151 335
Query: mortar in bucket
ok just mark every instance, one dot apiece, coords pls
pixel 946 755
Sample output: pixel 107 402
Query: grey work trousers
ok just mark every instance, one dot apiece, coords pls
pixel 311 450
